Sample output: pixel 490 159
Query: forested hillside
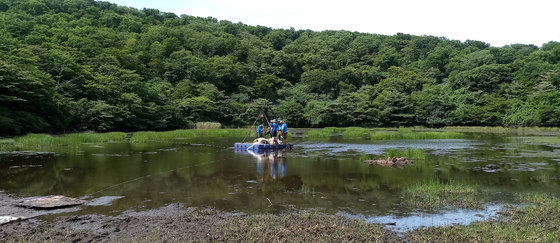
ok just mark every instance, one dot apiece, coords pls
pixel 71 65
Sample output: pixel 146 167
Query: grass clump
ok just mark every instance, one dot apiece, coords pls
pixel 409 153
pixel 377 134
pixel 69 139
pixel 530 131
pixel 405 133
pixel 537 222
pixel 355 132
pixel 7 145
pixel 323 133
pixel 434 195
pixel 208 125
pixel 35 139
pixel 168 136
pixel 78 138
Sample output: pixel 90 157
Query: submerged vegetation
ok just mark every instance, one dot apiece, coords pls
pixel 433 195
pixel 538 222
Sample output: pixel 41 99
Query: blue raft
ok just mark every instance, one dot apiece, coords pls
pixel 252 146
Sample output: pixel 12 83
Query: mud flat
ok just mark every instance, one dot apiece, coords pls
pixel 536 222
pixel 179 224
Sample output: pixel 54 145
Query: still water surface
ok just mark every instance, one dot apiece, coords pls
pixel 326 176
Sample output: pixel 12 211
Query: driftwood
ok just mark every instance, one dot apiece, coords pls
pixel 394 162
pixel 50 202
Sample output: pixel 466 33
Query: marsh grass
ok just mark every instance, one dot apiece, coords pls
pixel 169 136
pixel 323 133
pixel 433 195
pixel 507 130
pixel 537 222
pixel 408 153
pixel 7 145
pixel 69 139
pixel 208 125
pixel 377 134
pixel 355 132
pixel 408 134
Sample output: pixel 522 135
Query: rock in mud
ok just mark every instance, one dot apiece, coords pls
pixel 7 219
pixel 394 162
pixel 50 202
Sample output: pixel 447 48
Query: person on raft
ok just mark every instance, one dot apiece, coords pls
pixel 283 131
pixel 274 130
pixel 259 131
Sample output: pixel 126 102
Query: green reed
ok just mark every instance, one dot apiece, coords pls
pixel 69 139
pixel 434 195
pixel 142 137
pixel 355 132
pixel 208 125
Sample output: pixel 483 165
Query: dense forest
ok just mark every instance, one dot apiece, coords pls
pixel 74 65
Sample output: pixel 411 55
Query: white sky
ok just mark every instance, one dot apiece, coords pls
pixel 498 22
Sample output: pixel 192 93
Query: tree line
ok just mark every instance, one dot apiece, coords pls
pixel 73 65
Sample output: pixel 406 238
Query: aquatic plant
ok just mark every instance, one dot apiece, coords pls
pixel 142 137
pixel 355 132
pixel 7 145
pixel 323 133
pixel 433 194
pixel 77 138
pixel 377 134
pixel 34 139
pixel 507 130
pixel 407 134
pixel 536 222
pixel 208 125
pixel 409 153
pixel 69 139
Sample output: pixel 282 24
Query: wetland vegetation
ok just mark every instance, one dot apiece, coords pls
pixel 322 175
pixel 537 222
pixel 434 195
pixel 380 134
pixel 95 66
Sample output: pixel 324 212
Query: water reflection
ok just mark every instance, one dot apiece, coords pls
pixel 271 164
pixel 327 175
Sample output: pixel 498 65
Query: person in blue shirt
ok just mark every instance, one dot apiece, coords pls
pixel 284 131
pixel 274 129
pixel 259 131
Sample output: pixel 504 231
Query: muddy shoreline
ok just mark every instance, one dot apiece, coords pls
pixel 175 223
pixel 537 221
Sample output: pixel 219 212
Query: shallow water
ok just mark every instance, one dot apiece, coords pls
pixel 326 175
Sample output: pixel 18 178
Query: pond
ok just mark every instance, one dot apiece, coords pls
pixel 317 175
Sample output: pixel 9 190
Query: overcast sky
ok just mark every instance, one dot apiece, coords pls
pixel 498 22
